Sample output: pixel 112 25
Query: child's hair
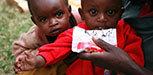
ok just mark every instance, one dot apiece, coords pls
pixel 66 2
pixel 121 5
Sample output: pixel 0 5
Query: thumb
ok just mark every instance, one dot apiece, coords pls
pixel 28 54
pixel 93 56
pixel 102 44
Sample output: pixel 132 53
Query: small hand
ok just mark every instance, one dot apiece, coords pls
pixel 17 63
pixel 28 62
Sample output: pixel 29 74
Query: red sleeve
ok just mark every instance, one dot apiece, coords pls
pixel 129 41
pixel 58 50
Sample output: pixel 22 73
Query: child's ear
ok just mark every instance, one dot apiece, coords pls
pixel 122 10
pixel 32 18
pixel 81 13
pixel 69 9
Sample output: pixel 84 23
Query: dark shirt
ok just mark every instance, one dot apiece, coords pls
pixel 144 28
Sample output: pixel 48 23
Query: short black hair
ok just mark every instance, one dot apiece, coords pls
pixel 66 2
pixel 28 1
pixel 121 2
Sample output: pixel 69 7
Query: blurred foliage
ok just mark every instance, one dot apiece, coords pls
pixel 12 24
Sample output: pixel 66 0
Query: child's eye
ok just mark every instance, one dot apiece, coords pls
pixel 43 19
pixel 93 11
pixel 110 12
pixel 59 14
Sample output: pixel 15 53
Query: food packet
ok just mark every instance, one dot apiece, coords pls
pixel 82 39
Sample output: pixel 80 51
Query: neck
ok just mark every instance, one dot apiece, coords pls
pixel 51 39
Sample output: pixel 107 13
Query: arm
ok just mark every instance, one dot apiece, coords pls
pixel 58 50
pixel 49 53
pixel 26 42
pixel 115 59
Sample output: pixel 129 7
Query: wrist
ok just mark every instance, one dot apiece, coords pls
pixel 40 61
pixel 133 69
pixel 139 70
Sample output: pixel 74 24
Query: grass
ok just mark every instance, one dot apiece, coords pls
pixel 12 24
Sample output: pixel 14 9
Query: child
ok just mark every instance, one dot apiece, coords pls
pixel 51 17
pixel 97 14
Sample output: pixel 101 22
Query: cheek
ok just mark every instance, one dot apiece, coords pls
pixel 44 28
pixel 91 21
pixel 113 22
pixel 64 21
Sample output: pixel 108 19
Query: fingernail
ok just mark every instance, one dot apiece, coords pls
pixel 18 65
pixel 95 37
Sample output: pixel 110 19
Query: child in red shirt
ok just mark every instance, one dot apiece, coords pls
pixel 97 14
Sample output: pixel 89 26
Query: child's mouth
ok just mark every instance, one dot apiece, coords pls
pixel 56 31
pixel 101 28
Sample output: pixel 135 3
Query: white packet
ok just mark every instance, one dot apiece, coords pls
pixel 82 39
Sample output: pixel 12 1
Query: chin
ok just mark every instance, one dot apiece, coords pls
pixel 53 35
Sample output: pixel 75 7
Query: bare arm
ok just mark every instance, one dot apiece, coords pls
pixel 115 59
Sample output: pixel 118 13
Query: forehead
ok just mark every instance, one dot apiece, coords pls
pixel 101 3
pixel 46 5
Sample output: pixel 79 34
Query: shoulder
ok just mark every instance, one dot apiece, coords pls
pixel 126 34
pixel 31 38
pixel 122 26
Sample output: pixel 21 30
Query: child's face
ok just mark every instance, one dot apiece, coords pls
pixel 51 16
pixel 101 14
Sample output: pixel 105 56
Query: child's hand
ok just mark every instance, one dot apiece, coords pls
pixel 17 63
pixel 28 62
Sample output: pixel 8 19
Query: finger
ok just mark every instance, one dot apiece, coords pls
pixel 18 59
pixel 22 65
pixel 85 56
pixel 90 56
pixel 102 44
pixel 30 51
pixel 27 54
pixel 27 60
pixel 17 64
pixel 16 70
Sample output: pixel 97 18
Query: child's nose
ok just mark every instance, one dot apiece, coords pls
pixel 102 18
pixel 53 22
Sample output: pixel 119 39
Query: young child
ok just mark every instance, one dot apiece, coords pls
pixel 51 17
pixel 97 14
